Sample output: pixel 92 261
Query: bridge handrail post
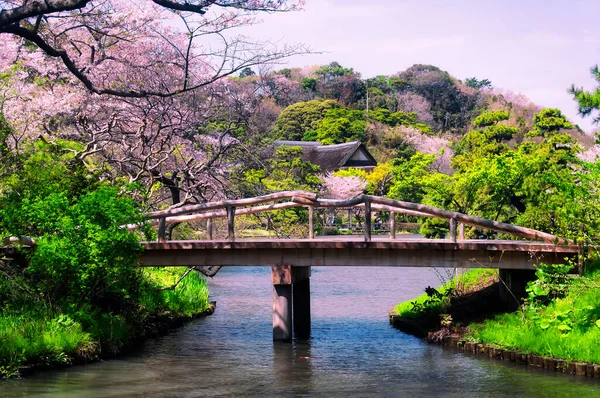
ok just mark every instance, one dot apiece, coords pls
pixel 367 220
pixel 392 225
pixel 461 231
pixel 311 222
pixel 230 223
pixel 162 229
pixel 453 229
pixel 209 228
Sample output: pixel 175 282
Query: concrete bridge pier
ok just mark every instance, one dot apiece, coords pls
pixel 291 302
pixel 513 283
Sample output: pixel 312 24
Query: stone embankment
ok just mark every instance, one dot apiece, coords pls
pixel 489 351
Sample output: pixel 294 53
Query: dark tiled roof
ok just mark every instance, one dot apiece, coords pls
pixel 332 157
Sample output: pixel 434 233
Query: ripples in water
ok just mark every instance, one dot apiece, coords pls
pixel 353 352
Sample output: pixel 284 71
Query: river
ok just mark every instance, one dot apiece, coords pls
pixel 353 352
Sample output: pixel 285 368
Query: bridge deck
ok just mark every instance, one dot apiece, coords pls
pixel 354 251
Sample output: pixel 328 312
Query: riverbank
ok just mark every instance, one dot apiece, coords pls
pixel 38 338
pixel 469 298
pixel 558 328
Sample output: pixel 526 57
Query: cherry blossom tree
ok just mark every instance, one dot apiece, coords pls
pixel 410 102
pixel 342 187
pixel 592 154
pixel 167 113
pixel 137 48
pixel 438 146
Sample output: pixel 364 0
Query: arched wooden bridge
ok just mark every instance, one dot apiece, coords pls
pixel 291 259
pixel 345 250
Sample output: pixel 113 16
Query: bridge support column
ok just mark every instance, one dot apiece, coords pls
pixel 282 312
pixel 291 302
pixel 512 285
pixel 301 302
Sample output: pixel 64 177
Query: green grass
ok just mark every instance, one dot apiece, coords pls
pixel 190 297
pixel 464 283
pixel 256 233
pixel 568 328
pixel 37 337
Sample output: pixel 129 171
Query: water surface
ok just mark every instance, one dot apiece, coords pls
pixel 353 352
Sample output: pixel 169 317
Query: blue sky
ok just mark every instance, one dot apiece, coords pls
pixel 538 48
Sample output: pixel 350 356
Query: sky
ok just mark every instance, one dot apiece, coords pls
pixel 534 47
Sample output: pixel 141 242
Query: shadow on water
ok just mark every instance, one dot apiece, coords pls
pixel 352 351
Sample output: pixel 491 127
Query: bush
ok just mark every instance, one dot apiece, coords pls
pixel 79 288
pixel 434 228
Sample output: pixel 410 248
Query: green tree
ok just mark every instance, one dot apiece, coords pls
pixel 83 256
pixel 589 101
pixel 490 118
pixel 246 72
pixel 491 140
pixel 414 178
pixel 548 122
pixel 333 70
pixel 475 83
pixel 286 171
pixel 295 120
pixel 339 125
pixel 309 84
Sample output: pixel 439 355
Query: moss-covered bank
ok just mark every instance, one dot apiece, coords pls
pixel 557 327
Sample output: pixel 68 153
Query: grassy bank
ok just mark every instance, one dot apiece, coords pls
pixel 37 336
pixel 565 327
pixel 560 318
pixel 459 301
pixel 78 294
pixel 458 287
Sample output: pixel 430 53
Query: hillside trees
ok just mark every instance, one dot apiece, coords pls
pixel 340 84
pixel 297 119
pixel 330 123
pixel 540 183
pixel 452 103
pixel 478 84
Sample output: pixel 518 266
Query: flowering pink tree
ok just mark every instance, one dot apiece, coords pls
pixel 592 154
pixel 166 113
pixel 346 187
pixel 411 102
pixel 342 188
pixel 438 146
pixel 137 48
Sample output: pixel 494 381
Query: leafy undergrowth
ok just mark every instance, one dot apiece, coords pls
pixel 35 337
pixel 566 328
pixel 79 294
pixel 189 298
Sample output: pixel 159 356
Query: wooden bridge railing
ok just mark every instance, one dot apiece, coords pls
pixel 230 208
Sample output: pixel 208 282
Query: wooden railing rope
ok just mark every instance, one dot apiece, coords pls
pixel 235 203
pixel 231 208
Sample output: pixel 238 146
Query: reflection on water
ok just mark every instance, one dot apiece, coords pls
pixel 352 352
